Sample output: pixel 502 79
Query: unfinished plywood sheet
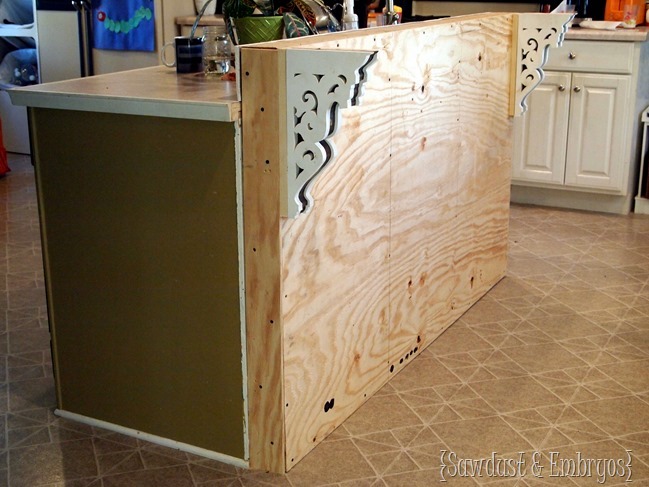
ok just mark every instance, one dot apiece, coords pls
pixel 409 223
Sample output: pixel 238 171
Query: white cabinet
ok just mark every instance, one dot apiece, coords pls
pixel 575 145
pixel 18 35
pixel 597 136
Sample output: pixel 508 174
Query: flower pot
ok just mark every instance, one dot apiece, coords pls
pixel 210 10
pixel 259 28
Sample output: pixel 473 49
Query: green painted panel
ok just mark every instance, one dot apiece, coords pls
pixel 140 240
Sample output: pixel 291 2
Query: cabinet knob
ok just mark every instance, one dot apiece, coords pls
pixel 576 89
pixel 572 55
pixel 562 88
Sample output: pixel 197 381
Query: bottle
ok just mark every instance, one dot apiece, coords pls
pixel 216 50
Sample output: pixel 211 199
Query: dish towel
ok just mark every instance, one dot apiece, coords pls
pixel 125 25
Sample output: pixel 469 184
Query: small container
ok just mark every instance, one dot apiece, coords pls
pixel 216 50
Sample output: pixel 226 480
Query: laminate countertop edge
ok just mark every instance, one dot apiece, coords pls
pixel 639 34
pixel 155 91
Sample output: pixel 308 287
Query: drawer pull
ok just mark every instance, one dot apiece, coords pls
pixel 562 88
pixel 577 89
pixel 572 55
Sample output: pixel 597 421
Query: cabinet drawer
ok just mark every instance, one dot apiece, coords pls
pixel 592 56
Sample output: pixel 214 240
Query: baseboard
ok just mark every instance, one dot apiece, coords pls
pixel 158 440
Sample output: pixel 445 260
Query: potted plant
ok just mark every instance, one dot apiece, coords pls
pixel 264 20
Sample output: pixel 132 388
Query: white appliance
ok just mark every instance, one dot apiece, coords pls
pixel 65 42
pixel 61 34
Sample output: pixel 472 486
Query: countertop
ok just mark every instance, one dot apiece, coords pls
pixel 156 91
pixel 639 34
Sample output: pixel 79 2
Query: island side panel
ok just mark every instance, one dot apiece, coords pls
pixel 335 300
pixel 451 190
pixel 409 133
pixel 261 132
pixel 139 225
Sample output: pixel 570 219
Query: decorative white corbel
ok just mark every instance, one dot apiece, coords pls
pixel 535 34
pixel 318 84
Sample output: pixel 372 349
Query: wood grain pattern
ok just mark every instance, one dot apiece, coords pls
pixel 261 159
pixel 409 223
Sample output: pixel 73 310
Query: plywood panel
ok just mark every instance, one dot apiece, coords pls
pixel 261 114
pixel 409 223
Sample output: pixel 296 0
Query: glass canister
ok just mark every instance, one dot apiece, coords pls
pixel 216 50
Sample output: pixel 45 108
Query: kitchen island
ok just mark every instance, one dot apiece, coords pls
pixel 235 274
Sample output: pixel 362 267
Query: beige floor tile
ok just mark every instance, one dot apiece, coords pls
pixel 507 395
pixel 567 326
pixel 544 357
pixel 454 340
pixel 160 477
pixel 582 301
pixel 488 312
pixel 424 372
pixel 381 414
pixel 51 463
pixel 617 416
pixel 475 438
pixel 426 478
pixel 334 461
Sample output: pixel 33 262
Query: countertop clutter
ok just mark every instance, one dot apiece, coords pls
pixel 639 34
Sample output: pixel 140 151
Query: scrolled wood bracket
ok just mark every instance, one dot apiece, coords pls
pixel 535 34
pixel 318 84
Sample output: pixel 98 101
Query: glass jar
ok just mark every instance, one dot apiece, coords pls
pixel 216 50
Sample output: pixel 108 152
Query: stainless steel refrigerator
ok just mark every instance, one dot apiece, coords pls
pixel 65 39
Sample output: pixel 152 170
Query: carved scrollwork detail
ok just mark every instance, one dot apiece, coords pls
pixel 318 84
pixel 537 33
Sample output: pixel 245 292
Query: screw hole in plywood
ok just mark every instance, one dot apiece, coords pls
pixel 329 405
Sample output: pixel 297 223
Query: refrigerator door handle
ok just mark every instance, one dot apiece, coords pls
pixel 84 18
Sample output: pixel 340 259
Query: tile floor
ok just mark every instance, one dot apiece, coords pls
pixel 554 359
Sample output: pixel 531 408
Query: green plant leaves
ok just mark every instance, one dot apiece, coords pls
pixel 294 26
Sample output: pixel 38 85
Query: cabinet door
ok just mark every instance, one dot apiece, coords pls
pixel 597 154
pixel 540 135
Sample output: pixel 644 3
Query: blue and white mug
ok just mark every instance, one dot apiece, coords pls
pixel 189 54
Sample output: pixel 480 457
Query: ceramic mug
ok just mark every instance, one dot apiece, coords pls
pixel 189 54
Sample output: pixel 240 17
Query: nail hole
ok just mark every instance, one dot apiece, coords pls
pixel 262 109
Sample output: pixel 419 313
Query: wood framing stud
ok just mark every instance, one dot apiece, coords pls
pixel 536 34
pixel 318 84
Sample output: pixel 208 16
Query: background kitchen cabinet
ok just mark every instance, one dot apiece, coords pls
pixel 577 144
